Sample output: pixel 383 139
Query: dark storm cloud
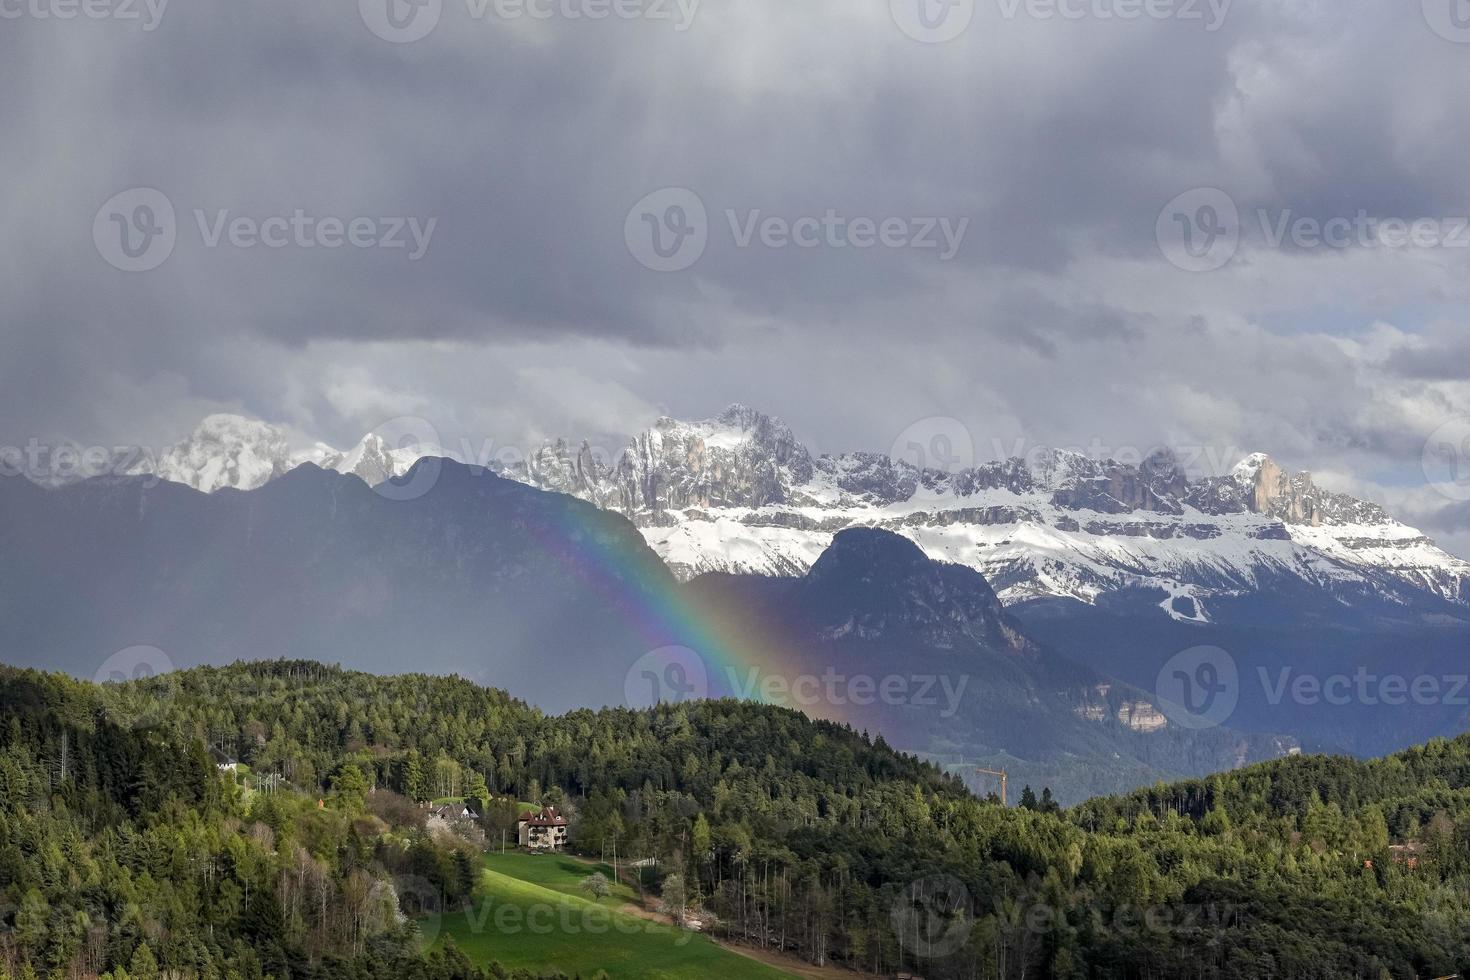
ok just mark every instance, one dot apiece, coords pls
pixel 1442 360
pixel 527 142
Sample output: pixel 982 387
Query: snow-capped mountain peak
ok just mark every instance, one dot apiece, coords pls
pixel 224 451
pixel 739 492
pixel 1245 471
pixel 232 451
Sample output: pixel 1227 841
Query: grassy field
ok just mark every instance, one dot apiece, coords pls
pixel 560 873
pixel 535 915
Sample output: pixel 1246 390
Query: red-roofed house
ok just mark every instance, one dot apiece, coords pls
pixel 544 831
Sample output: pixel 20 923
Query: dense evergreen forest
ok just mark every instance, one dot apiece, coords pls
pixel 265 820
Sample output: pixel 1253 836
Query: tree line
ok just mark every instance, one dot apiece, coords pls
pixel 120 839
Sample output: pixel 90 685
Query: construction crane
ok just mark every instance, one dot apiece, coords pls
pixel 1003 776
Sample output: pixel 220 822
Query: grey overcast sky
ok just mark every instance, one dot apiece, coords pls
pixel 1071 304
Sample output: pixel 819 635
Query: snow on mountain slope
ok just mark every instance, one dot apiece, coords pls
pixel 224 451
pixel 374 459
pixel 738 493
pixel 230 451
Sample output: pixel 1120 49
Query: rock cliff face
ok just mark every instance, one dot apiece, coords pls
pixel 874 614
pixel 578 472
pixel 1142 716
pixel 740 459
pixel 1293 498
pixel 372 460
pixel 738 493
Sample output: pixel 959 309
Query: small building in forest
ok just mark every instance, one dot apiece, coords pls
pixel 544 831
pixel 1406 854
pixel 453 812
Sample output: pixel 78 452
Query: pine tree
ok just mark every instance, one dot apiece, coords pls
pixel 143 965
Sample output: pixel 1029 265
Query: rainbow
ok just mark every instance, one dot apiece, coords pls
pixel 696 648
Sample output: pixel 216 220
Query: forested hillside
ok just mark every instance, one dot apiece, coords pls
pixel 124 847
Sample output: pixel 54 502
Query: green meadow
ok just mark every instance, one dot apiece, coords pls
pixel 533 914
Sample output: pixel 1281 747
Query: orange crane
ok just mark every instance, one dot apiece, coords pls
pixel 1003 776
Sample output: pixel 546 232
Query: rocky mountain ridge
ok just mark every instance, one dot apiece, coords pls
pixel 233 452
pixel 740 493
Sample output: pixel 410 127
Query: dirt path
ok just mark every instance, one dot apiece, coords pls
pixel 793 964
pixel 645 912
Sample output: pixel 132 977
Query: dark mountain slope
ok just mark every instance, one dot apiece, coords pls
pixel 962 679
pixel 479 576
pixel 564 604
